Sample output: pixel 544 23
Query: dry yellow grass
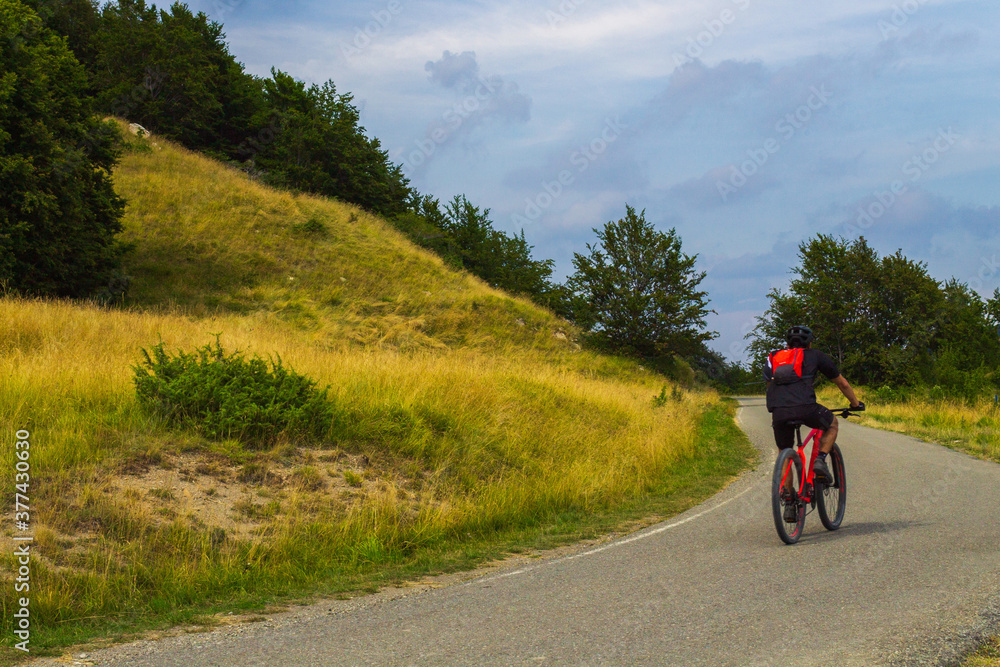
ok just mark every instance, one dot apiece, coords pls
pixel 67 377
pixel 972 428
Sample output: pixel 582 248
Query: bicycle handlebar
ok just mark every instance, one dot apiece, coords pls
pixel 847 412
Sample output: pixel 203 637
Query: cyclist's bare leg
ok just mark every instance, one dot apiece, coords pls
pixel 829 437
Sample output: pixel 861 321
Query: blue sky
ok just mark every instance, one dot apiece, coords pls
pixel 747 126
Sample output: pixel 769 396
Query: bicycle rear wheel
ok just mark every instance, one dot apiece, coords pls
pixel 832 498
pixel 785 484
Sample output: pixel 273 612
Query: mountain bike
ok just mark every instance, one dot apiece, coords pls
pixel 789 487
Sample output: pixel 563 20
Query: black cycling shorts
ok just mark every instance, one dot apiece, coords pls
pixel 813 416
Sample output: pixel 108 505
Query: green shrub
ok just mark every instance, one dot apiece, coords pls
pixel 676 395
pixel 313 226
pixel 887 394
pixel 661 400
pixel 678 370
pixel 231 396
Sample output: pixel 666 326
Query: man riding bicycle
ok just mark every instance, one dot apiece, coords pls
pixel 790 376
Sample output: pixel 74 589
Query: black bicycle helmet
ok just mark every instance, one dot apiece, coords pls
pixel 799 336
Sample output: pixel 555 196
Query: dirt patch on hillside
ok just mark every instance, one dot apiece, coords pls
pixel 208 490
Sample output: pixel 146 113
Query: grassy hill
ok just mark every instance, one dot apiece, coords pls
pixel 479 426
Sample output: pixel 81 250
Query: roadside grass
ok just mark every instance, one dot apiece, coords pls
pixel 469 424
pixel 988 655
pixel 970 428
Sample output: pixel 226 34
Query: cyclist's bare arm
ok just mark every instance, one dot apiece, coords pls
pixel 846 390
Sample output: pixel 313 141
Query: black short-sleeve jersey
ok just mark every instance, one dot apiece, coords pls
pixel 799 393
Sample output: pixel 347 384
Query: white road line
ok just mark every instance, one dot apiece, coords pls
pixel 617 543
pixel 657 531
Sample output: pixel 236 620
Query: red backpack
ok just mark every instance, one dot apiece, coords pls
pixel 786 365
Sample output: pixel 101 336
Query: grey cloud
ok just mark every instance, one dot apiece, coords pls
pixel 836 167
pixel 756 96
pixel 478 99
pixel 923 41
pixel 454 70
pixel 773 266
pixel 705 192
pixel 694 84
pixel 484 95
pixel 925 219
pixel 770 92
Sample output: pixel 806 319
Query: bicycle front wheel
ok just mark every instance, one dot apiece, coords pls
pixel 832 498
pixel 785 484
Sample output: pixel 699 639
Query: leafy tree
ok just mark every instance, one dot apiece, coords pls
pixel 725 375
pixel 321 148
pixel 501 260
pixel 883 319
pixel 464 236
pixel 828 283
pixel 903 321
pixel 638 292
pixel 59 213
pixel 77 20
pixel 964 325
pixel 993 309
pixel 172 73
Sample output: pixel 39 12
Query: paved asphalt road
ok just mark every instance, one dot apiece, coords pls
pixel 912 577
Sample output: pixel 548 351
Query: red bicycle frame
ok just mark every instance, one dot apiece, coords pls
pixel 805 492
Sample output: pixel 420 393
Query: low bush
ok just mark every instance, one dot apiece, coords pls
pixel 887 394
pixel 230 396
pixel 662 399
